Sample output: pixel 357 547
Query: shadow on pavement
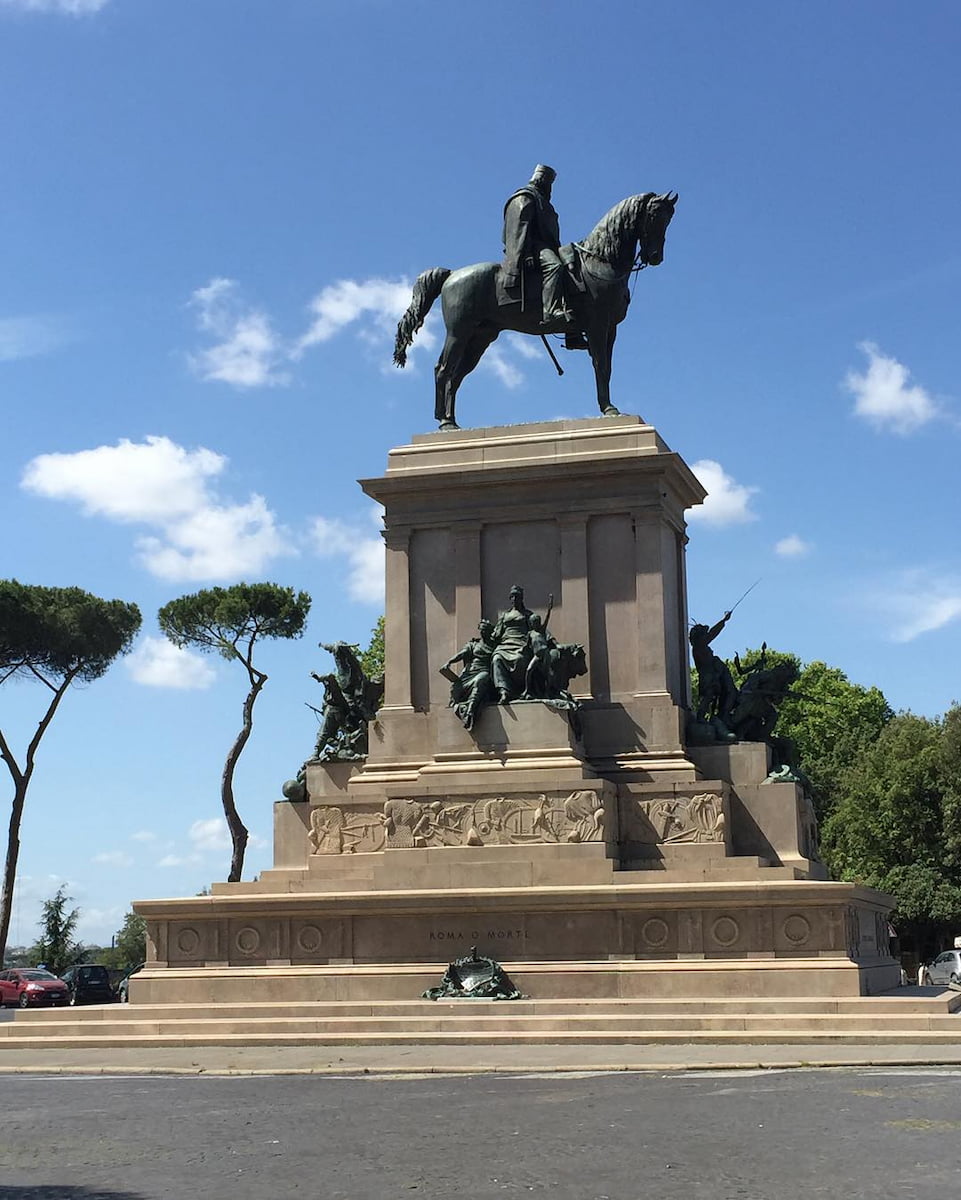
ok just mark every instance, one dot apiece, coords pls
pixel 60 1191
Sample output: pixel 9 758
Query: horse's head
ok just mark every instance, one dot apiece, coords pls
pixel 657 216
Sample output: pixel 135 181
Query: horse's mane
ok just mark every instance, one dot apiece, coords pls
pixel 607 236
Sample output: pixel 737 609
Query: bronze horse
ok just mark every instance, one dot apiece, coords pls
pixel 630 236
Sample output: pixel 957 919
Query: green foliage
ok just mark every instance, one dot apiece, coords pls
pixel 895 823
pixel 230 621
pixel 830 720
pixel 56 947
pixel 219 619
pixel 372 659
pixel 55 632
pixel 54 636
pixel 130 941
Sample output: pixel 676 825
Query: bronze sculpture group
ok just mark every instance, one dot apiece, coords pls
pixel 726 711
pixel 351 701
pixel 514 658
pixel 579 289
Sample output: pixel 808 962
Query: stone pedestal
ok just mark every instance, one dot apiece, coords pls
pixel 591 512
pixel 610 861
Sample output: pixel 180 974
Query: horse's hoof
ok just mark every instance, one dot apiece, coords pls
pixel 610 411
pixel 445 425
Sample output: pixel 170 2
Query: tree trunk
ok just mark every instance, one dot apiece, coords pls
pixel 21 781
pixel 238 831
pixel 10 865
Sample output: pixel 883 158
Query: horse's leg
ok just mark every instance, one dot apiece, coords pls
pixel 479 342
pixel 600 341
pixel 461 360
pixel 446 380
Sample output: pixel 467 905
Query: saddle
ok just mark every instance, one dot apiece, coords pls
pixel 574 283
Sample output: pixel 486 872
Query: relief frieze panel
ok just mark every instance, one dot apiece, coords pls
pixel 674 820
pixel 335 830
pixel 498 821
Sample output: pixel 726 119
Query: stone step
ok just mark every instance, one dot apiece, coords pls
pixel 897 1004
pixel 740 867
pixel 785 1035
pixel 271 884
pixel 482 1024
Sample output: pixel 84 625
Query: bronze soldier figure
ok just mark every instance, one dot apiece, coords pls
pixel 717 693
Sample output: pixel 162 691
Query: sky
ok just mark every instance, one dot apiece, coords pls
pixel 213 212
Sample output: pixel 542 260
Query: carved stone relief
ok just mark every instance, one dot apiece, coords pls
pixel 343 831
pixel 796 929
pixel 501 821
pixel 691 819
pixel 809 829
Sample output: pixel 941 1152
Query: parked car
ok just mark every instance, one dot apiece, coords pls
pixel 88 983
pixel 123 987
pixel 30 986
pixel 946 968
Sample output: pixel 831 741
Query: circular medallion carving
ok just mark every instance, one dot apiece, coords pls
pixel 247 940
pixel 188 941
pixel 797 929
pixel 654 932
pixel 309 939
pixel 725 931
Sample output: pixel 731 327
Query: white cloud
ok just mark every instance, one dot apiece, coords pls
pixel 161 484
pixel 377 303
pixel 498 363
pixel 792 546
pixel 918 601
pixel 74 8
pixel 882 395
pixel 26 337
pixel 113 858
pixel 216 542
pixel 151 481
pixel 210 835
pixel 525 345
pixel 248 352
pixel 179 860
pixel 143 835
pixel 727 503
pixel 364 556
pixel 93 922
pixel 156 662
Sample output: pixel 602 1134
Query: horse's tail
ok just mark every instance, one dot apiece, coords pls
pixel 426 290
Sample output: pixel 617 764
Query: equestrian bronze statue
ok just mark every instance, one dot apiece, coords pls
pixel 479 303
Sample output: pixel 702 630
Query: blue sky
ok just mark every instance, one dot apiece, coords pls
pixel 212 213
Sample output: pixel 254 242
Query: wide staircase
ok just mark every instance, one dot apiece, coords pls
pixel 925 1016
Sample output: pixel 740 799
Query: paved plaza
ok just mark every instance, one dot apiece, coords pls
pixel 704 1135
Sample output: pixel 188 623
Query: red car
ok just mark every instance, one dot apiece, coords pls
pixel 29 986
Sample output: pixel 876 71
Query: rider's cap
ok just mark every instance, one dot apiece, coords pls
pixel 542 172
pixel 516 590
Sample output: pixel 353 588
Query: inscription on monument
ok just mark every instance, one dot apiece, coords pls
pixel 476 936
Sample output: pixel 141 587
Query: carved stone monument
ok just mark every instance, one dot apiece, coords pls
pixel 570 831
